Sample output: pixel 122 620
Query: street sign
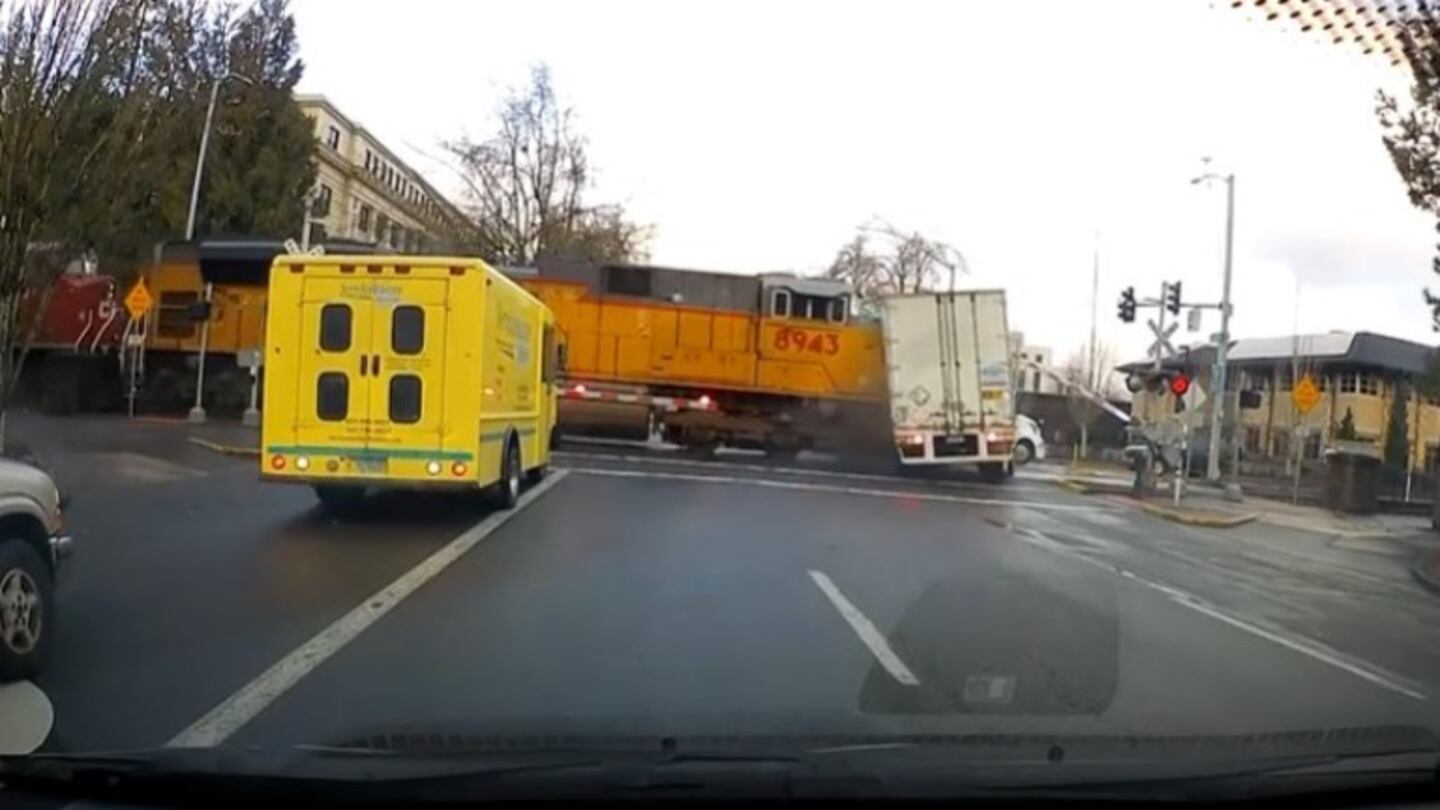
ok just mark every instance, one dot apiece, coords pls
pixel 1306 394
pixel 1192 320
pixel 138 300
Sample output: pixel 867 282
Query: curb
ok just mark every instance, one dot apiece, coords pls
pixel 225 449
pixel 1423 576
pixel 1216 521
pixel 1091 488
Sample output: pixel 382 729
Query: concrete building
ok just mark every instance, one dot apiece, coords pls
pixel 1027 379
pixel 365 193
pixel 1358 372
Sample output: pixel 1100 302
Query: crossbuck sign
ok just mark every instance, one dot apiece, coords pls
pixel 1162 347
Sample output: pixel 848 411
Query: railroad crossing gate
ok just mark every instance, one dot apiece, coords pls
pixel 1306 394
pixel 138 300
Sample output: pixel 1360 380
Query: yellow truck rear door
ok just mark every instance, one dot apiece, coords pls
pixel 333 395
pixel 406 373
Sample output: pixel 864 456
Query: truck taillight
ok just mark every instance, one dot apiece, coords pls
pixel 277 462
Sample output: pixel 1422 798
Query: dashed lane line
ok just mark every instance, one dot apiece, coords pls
pixel 871 637
pixel 240 708
pixel 810 486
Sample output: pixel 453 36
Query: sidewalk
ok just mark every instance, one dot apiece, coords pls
pixel 1204 505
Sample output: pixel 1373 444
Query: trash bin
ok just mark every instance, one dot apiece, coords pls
pixel 1352 477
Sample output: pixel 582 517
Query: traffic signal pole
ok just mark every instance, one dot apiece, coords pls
pixel 1217 411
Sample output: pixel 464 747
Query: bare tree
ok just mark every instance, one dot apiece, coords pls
pixel 527 186
pixel 907 262
pixel 1093 372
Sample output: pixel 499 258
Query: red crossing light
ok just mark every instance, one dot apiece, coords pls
pixel 1179 384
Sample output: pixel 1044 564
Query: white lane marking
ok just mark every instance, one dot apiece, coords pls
pixel 810 486
pixel 252 698
pixel 764 468
pixel 1373 673
pixel 872 638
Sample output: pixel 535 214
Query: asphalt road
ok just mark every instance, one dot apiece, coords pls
pixel 637 594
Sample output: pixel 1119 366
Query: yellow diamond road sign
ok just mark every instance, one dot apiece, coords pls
pixel 1306 394
pixel 138 300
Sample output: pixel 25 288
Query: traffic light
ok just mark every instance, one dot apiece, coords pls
pixel 1172 298
pixel 1180 383
pixel 1179 386
pixel 1127 305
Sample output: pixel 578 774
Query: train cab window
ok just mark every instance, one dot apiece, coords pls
pixel 405 399
pixel 407 330
pixel 628 281
pixel 174 319
pixel 332 396
pixel 780 304
pixel 335 327
pixel 811 307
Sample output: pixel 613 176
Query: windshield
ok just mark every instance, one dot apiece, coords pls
pixel 1011 380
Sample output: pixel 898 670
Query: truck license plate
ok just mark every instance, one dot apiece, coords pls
pixel 373 466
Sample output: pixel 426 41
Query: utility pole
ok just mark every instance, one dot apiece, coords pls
pixel 197 412
pixel 1217 411
pixel 1092 374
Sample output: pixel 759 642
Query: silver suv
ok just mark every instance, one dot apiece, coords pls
pixel 32 541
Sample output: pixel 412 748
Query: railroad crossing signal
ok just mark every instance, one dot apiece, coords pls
pixel 1306 394
pixel 138 300
pixel 1127 305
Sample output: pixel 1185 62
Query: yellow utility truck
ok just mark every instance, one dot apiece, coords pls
pixel 407 372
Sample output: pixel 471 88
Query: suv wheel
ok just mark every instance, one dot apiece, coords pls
pixel 1024 451
pixel 26 600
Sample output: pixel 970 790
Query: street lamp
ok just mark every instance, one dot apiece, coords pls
pixel 197 413
pixel 1212 471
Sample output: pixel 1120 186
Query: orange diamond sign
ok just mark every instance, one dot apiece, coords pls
pixel 138 300
pixel 1306 394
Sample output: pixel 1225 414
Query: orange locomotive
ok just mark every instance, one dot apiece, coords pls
pixel 774 362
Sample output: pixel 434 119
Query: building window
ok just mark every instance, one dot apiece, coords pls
pixel 1432 456
pixel 363 220
pixel 1286 380
pixel 1312 444
pixel 1322 382
pixel 1369 384
pixel 1347 383
pixel 318 234
pixel 369 161
pixel 397 237
pixel 1280 444
pixel 321 206
pixel 332 138
pixel 382 227
pixel 1252 439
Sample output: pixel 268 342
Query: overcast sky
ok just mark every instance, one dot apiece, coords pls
pixel 756 136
